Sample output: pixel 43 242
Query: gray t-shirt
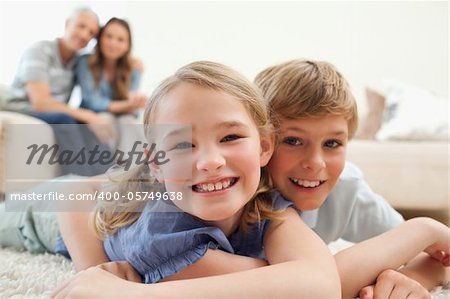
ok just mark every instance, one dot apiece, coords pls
pixel 40 62
pixel 352 211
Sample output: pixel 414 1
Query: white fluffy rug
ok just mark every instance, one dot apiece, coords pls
pixel 24 275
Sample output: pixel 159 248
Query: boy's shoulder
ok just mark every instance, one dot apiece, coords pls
pixel 351 172
pixel 349 184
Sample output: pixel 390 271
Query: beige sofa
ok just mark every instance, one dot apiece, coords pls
pixel 412 176
pixel 17 131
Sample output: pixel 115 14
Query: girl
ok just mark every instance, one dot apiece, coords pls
pixel 109 81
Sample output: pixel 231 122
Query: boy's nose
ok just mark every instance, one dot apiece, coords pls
pixel 313 160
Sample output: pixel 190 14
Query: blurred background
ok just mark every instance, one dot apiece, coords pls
pixel 366 40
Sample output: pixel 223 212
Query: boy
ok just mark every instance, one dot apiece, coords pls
pixel 315 116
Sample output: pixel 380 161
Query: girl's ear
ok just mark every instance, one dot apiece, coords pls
pixel 155 170
pixel 267 147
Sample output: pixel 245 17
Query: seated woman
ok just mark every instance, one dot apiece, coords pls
pixel 109 80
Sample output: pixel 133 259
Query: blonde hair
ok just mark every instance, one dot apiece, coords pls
pixel 306 88
pixel 209 75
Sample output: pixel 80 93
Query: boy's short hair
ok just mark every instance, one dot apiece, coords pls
pixel 306 88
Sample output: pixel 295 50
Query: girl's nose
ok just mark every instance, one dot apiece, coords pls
pixel 210 160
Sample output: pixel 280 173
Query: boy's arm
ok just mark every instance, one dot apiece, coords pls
pixel 388 251
pixel 427 271
pixel 415 279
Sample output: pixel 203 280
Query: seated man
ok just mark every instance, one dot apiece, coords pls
pixel 43 84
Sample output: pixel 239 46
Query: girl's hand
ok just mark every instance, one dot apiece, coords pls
pixel 393 284
pixel 123 270
pixel 95 283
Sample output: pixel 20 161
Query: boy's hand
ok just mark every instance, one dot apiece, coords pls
pixel 393 284
pixel 435 252
pixel 123 270
pixel 440 250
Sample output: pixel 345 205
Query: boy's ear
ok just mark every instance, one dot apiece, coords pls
pixel 267 147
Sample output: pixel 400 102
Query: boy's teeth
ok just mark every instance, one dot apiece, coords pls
pixel 305 183
pixel 213 186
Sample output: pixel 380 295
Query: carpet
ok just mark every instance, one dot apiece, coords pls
pixel 25 275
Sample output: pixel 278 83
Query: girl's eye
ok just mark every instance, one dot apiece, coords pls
pixel 332 143
pixel 292 141
pixel 183 145
pixel 230 137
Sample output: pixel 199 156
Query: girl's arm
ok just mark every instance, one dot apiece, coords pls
pixel 85 249
pixel 289 240
pixel 217 262
pixel 361 264
pixel 303 267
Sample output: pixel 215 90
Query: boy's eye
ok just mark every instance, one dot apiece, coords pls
pixel 230 137
pixel 183 145
pixel 332 143
pixel 292 141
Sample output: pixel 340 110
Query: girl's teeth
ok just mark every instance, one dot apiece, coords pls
pixel 214 186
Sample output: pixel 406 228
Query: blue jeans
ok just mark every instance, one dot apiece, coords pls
pixel 74 137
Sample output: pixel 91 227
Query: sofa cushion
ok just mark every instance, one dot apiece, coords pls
pixel 409 175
